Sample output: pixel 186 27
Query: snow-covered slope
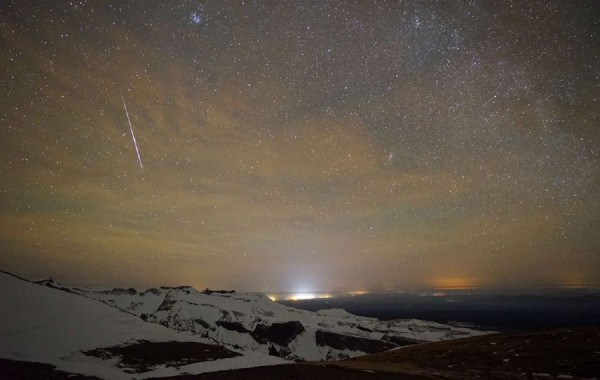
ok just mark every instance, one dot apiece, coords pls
pixel 40 324
pixel 251 321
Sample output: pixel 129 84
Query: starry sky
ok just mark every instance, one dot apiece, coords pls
pixel 309 145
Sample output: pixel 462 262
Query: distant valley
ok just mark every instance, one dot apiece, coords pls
pixel 496 309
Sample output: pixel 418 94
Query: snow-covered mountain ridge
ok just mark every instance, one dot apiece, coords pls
pixel 253 322
pixel 80 335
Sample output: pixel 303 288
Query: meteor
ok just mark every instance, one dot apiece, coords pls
pixel 132 134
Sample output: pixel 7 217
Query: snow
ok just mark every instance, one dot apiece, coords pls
pixel 54 326
pixel 41 324
pixel 250 359
pixel 185 308
pixel 304 346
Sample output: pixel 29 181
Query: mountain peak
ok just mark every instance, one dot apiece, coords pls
pixel 253 322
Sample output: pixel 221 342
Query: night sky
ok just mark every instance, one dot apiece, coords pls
pixel 314 145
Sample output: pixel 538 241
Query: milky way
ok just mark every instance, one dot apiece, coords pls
pixel 301 146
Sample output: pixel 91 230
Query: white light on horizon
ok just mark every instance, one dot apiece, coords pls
pixel 307 296
pixel 302 296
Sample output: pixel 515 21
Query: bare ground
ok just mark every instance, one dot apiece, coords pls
pixel 143 356
pixel 568 352
pixel 20 370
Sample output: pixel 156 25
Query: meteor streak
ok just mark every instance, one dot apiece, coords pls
pixel 132 134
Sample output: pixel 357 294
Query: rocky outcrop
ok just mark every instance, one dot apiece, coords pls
pixel 278 333
pixel 213 291
pixel 351 343
pixel 167 303
pixel 251 321
pixel 399 340
pixel 233 326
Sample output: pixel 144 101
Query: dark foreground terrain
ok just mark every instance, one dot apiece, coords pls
pixel 542 354
pixel 549 354
pixel 19 370
pixel 302 371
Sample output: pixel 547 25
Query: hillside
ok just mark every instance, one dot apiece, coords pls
pixel 79 335
pixel 253 322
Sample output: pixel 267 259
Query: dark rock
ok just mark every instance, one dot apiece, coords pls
pixel 363 328
pixel 281 352
pixel 121 291
pixel 167 303
pixel 202 323
pixel 261 334
pixel 208 291
pixel 151 291
pixel 233 326
pixel 279 333
pixel 182 287
pixel 21 370
pixel 143 356
pixel 400 341
pixel 353 343
pixel 273 351
pixel 51 283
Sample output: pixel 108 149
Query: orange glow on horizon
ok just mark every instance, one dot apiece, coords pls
pixel 573 281
pixel 358 292
pixel 454 283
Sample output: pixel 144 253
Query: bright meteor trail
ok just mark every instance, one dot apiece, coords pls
pixel 334 145
pixel 132 134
